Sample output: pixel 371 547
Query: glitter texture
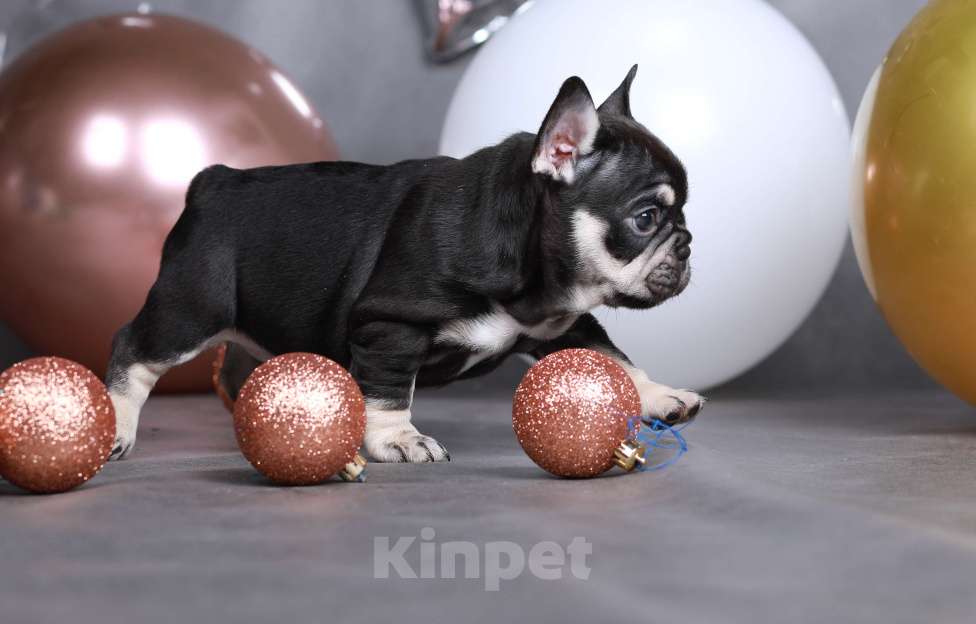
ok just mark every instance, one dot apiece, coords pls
pixel 300 418
pixel 57 424
pixel 571 410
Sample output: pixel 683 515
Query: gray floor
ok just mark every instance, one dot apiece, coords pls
pixel 855 509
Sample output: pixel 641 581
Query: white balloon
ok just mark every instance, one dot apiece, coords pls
pixel 743 99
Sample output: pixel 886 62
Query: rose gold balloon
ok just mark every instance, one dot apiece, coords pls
pixel 300 418
pixel 571 412
pixel 102 127
pixel 57 424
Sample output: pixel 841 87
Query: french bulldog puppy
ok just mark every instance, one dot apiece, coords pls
pixel 424 271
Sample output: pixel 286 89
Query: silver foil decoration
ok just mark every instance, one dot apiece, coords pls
pixel 452 27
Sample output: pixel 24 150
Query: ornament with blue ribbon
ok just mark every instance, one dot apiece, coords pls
pixel 652 440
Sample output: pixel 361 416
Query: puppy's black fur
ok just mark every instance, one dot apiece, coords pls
pixel 368 264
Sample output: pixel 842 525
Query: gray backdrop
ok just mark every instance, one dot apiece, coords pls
pixel 363 66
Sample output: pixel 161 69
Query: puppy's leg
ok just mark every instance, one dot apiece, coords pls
pixel 141 354
pixel 657 400
pixel 385 360
pixel 172 328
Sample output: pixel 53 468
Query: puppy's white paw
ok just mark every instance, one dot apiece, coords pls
pixel 390 437
pixel 662 402
pixel 674 406
pixel 126 425
pixel 404 445
pixel 125 439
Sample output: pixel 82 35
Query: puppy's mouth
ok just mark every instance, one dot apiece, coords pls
pixel 668 279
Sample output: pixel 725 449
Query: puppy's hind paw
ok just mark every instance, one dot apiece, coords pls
pixel 122 447
pixel 126 425
pixel 405 446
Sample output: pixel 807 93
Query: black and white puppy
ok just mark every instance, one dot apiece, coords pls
pixel 424 271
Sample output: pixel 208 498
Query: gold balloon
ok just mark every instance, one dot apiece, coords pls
pixel 914 220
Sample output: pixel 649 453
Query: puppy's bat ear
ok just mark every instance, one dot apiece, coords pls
pixel 619 101
pixel 567 133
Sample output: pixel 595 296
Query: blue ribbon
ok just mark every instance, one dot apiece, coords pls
pixel 661 436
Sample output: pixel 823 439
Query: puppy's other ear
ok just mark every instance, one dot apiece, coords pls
pixel 619 101
pixel 567 133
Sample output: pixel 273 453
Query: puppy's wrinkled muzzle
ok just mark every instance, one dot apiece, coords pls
pixel 668 278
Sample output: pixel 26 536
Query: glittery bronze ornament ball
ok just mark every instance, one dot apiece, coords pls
pixel 571 411
pixel 300 418
pixel 57 424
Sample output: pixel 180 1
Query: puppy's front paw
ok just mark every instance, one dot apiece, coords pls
pixel 404 445
pixel 675 406
pixel 662 402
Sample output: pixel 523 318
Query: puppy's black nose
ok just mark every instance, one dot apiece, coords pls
pixel 682 246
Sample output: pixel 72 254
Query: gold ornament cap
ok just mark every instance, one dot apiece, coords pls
pixel 630 454
pixel 354 470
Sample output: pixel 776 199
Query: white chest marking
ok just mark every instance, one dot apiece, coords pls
pixel 497 332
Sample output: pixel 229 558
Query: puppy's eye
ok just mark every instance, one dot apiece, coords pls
pixel 645 221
